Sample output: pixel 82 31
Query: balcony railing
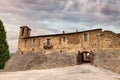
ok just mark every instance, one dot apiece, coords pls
pixel 48 46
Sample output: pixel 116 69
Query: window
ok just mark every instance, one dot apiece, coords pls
pixel 64 39
pixel 48 41
pixel 22 31
pixel 95 44
pixel 34 40
pixel 27 31
pixel 85 37
pixel 33 49
pixel 21 52
pixel 25 41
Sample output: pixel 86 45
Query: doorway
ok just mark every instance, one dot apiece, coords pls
pixel 84 57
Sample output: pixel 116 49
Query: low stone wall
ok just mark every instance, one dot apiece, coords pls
pixel 108 59
pixel 39 61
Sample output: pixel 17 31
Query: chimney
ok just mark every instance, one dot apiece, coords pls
pixel 63 32
pixel 76 30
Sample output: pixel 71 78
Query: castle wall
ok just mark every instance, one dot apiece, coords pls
pixel 109 40
pixel 72 43
pixel 108 59
pixel 108 55
pixel 104 44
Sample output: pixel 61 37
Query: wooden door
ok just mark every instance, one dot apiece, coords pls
pixel 79 58
pixel 91 58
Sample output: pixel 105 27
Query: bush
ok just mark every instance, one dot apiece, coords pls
pixel 4 52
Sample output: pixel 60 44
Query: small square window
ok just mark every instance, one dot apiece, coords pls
pixel 48 41
pixel 34 40
pixel 86 37
pixel 33 49
pixel 27 31
pixel 64 39
pixel 22 32
pixel 25 41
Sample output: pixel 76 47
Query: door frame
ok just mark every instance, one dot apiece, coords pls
pixel 80 57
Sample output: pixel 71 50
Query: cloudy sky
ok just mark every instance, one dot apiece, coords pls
pixel 54 16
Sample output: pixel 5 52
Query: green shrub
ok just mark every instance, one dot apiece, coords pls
pixel 4 52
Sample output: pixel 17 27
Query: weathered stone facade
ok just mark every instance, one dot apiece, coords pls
pixel 108 59
pixel 90 40
pixel 60 42
pixel 95 46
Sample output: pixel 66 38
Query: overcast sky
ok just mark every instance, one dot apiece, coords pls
pixel 54 16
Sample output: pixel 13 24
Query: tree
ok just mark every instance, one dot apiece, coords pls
pixel 4 48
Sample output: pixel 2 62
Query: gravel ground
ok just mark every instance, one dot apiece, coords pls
pixel 81 72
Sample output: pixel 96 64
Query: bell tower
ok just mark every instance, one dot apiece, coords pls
pixel 24 32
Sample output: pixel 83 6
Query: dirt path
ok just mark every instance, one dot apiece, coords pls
pixel 82 72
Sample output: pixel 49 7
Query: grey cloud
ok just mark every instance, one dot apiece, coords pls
pixel 44 5
pixel 50 9
pixel 40 30
pixel 108 10
pixel 111 10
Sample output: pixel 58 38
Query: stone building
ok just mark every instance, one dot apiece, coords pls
pixel 84 43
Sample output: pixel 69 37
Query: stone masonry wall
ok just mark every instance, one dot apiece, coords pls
pixel 39 60
pixel 104 44
pixel 109 40
pixel 108 54
pixel 73 42
pixel 108 59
